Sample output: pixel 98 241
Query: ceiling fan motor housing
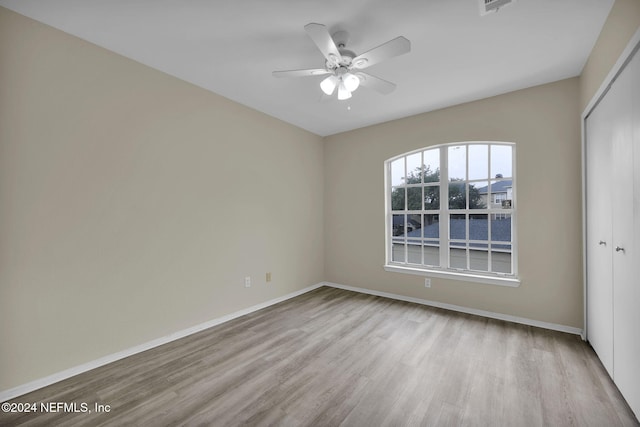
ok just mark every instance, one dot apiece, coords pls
pixel 345 59
pixel 340 38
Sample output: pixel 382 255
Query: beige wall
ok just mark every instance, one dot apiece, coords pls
pixel 543 122
pixel 133 204
pixel 621 25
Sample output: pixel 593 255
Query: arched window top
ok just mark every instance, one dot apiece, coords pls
pixel 451 210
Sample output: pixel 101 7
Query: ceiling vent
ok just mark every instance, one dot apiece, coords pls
pixel 488 6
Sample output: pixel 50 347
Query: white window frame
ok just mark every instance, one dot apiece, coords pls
pixel 444 271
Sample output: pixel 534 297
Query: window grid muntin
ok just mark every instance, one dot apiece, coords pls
pixel 444 214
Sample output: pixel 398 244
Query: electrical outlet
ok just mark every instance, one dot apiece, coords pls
pixel 427 282
pixel 247 282
pixel 268 277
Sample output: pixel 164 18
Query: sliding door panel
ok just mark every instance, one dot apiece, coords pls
pixel 626 300
pixel 599 260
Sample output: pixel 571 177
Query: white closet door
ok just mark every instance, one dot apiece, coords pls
pixel 626 282
pixel 632 293
pixel 599 229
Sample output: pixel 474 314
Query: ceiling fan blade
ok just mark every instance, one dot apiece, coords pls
pixel 376 83
pixel 395 47
pixel 301 73
pixel 321 37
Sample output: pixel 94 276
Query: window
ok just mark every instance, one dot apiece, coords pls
pixel 451 212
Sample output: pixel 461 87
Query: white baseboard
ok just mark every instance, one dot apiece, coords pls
pixel 68 373
pixel 483 313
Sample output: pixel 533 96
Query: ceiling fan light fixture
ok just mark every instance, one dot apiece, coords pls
pixel 329 84
pixel 351 82
pixel 343 92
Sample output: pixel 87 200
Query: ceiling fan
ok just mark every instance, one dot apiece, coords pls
pixel 343 66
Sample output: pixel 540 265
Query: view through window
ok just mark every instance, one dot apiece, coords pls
pixel 452 208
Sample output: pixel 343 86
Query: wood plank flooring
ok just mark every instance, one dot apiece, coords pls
pixel 332 357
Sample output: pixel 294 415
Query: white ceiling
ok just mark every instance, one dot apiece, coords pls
pixel 231 48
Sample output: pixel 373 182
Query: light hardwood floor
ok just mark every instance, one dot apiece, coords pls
pixel 332 357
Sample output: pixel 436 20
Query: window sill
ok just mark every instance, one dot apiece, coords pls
pixel 453 275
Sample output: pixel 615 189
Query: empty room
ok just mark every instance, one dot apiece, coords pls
pixel 320 213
